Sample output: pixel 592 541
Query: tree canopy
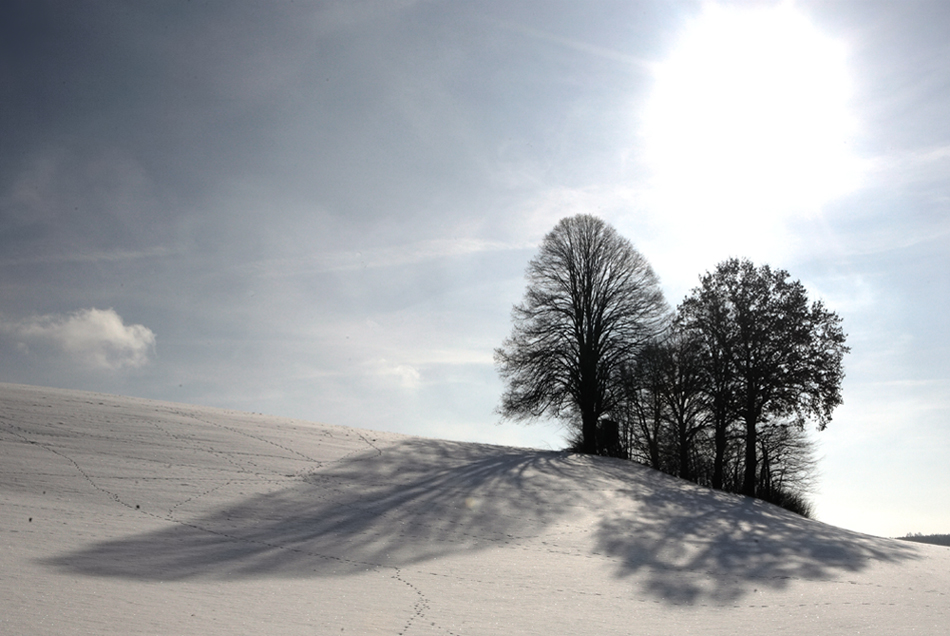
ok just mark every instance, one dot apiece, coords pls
pixel 592 302
pixel 783 355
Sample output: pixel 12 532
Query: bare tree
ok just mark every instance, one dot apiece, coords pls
pixel 682 390
pixel 784 355
pixel 786 466
pixel 643 412
pixel 666 414
pixel 699 320
pixel 591 303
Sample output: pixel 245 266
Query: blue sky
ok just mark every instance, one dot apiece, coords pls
pixel 325 210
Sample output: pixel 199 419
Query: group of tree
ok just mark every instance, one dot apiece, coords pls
pixel 718 391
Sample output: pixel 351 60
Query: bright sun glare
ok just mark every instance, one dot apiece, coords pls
pixel 748 124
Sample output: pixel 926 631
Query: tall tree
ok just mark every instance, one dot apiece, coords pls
pixel 686 405
pixel 784 354
pixel 643 413
pixel 591 303
pixel 703 321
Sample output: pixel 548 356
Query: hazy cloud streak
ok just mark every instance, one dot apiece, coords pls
pixel 382 257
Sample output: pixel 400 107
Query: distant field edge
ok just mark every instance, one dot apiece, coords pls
pixel 933 539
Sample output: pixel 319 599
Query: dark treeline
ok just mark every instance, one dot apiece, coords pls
pixel 933 539
pixel 674 420
pixel 717 392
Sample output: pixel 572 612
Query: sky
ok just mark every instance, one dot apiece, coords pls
pixel 325 210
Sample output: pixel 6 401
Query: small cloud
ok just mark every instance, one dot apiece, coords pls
pixel 97 338
pixel 408 376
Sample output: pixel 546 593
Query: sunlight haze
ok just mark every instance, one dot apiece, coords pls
pixel 748 125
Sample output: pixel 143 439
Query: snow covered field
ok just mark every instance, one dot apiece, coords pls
pixel 127 516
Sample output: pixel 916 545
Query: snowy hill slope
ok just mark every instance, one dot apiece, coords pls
pixel 128 516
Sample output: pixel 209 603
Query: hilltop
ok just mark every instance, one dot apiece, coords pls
pixel 130 516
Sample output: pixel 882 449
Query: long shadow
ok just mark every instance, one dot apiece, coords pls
pixel 689 544
pixel 418 501
pixel 423 499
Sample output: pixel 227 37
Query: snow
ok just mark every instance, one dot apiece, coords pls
pixel 128 516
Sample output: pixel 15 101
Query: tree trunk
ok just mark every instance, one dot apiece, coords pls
pixel 589 433
pixel 748 482
pixel 719 463
pixel 765 475
pixel 684 468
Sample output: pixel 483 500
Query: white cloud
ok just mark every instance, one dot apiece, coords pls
pixel 96 338
pixel 407 375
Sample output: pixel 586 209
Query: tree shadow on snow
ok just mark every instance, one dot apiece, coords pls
pixel 423 499
pixel 414 502
pixel 688 544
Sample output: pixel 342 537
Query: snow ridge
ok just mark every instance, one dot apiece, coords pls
pixel 128 516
